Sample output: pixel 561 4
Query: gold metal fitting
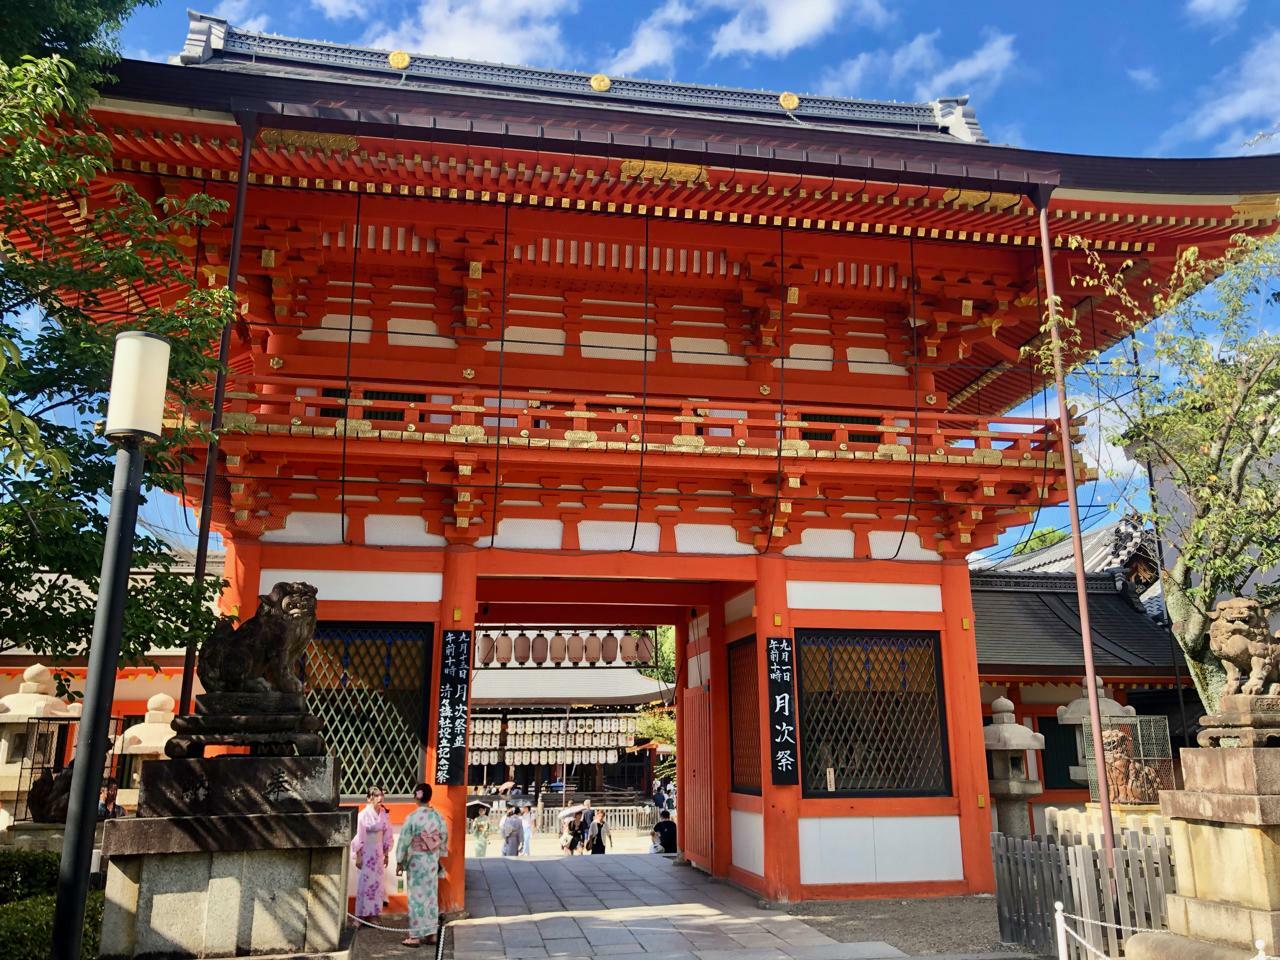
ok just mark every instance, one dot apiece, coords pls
pixel 398 59
pixel 276 362
pixel 410 428
pixel 788 100
pixel 765 390
pixel 296 421
pixel 600 83
pixel 468 374
pixel 635 438
pixel 741 442
pixel 931 398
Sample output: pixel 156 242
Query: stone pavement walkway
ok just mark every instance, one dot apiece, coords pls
pixel 628 907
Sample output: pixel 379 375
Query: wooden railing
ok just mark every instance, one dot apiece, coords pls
pixel 280 405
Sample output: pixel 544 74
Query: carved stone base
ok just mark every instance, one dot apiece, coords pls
pixel 1241 720
pixel 237 785
pixel 266 885
pixel 269 724
pixel 1170 946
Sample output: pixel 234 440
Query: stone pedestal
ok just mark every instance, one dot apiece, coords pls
pixel 203 872
pixel 1226 843
pixel 46 837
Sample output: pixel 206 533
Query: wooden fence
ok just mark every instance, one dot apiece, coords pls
pixel 1033 874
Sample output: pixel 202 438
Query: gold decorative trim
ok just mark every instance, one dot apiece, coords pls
pixel 273 137
pixel 398 59
pixel 686 173
pixel 788 100
pixel 600 83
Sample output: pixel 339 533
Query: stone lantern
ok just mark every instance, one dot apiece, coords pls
pixel 146 740
pixel 1076 714
pixel 35 700
pixel 1008 742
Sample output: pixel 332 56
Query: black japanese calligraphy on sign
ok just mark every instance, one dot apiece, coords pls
pixel 784 760
pixel 451 720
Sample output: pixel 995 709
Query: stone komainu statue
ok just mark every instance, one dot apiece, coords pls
pixel 1240 637
pixel 1129 780
pixel 262 654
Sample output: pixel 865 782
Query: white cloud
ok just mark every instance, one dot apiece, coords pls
pixel 775 29
pixel 239 14
pixel 981 70
pixel 655 41
pixel 919 63
pixel 1241 100
pixel 501 31
pixel 1144 77
pixel 1215 11
pixel 341 9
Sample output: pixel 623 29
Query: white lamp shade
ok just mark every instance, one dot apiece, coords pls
pixel 139 376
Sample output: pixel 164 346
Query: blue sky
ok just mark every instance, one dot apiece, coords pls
pixel 1146 77
pixel 1169 77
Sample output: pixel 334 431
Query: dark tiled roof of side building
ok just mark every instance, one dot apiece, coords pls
pixel 1030 623
pixel 214 43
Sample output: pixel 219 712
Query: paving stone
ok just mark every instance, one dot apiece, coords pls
pixel 526 953
pixel 569 947
pixel 870 950
pixel 558 928
pixel 741 954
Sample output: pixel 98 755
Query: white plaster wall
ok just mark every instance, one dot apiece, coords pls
pixel 830 595
pixel 374 585
pixel 884 546
pixel 547 341
pixel 709 538
pixel 410 332
pixel 703 350
pixel 335 326
pixel 398 530
pixel 616 535
pixel 308 527
pixel 746 830
pixel 872 360
pixel 818 542
pixel 600 345
pixel 699 670
pixel 739 607
pixel 516 533
pixel 880 849
pixel 808 356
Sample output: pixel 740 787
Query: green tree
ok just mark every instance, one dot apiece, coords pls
pixel 663 668
pixel 64 294
pixel 1197 396
pixel 1040 538
pixel 80 31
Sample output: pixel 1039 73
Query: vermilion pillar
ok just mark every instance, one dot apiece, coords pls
pixel 721 751
pixel 964 726
pixel 780 805
pixel 242 570
pixel 681 654
pixel 457 612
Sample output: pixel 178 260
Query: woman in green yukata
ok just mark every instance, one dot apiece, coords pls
pixel 424 839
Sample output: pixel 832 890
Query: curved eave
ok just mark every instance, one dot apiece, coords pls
pixel 600 129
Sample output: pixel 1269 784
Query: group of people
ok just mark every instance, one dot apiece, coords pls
pixel 586 831
pixel 664 794
pixel 517 833
pixel 424 839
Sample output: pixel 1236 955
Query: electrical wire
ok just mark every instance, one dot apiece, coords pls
pixel 346 393
pixel 502 366
pixel 915 396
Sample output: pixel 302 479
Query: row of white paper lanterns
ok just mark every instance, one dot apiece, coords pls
pixel 573 725
pixel 482 741
pixel 523 757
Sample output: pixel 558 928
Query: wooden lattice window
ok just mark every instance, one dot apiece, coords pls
pixel 744 716
pixel 367 681
pixel 872 718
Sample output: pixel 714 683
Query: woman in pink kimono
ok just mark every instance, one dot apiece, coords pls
pixel 424 839
pixel 371 849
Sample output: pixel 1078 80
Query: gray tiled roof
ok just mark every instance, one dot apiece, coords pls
pixel 1033 621
pixel 213 42
pixel 1106 547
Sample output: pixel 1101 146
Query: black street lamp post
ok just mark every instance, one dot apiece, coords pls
pixel 134 413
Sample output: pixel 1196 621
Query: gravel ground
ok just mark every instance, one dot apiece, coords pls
pixel 947 925
pixel 373 944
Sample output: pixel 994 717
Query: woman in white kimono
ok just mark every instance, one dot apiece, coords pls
pixel 424 839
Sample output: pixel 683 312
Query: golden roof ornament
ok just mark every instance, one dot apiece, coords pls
pixel 600 83
pixel 398 59
pixel 788 100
